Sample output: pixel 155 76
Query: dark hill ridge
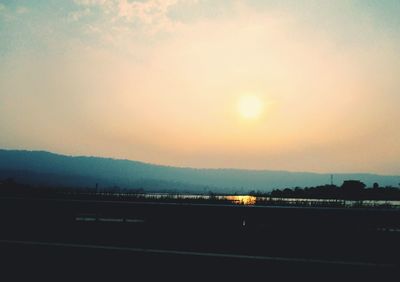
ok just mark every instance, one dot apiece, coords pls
pixel 45 168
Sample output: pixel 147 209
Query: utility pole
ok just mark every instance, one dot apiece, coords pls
pixel 331 179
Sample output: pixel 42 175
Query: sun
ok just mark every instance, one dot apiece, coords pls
pixel 250 107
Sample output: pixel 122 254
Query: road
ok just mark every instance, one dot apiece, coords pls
pixel 95 237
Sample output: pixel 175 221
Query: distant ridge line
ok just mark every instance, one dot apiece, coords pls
pixel 48 169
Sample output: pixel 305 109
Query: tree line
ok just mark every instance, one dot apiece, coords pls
pixel 349 190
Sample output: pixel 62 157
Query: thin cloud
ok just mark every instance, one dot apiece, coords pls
pixel 22 10
pixel 151 15
pixel 91 2
pixel 5 13
pixel 77 15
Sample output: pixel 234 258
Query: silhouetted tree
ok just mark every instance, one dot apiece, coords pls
pixel 352 189
pixel 353 185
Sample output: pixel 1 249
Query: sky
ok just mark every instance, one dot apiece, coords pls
pixel 277 85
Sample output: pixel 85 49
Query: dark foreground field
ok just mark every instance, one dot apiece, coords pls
pixel 98 239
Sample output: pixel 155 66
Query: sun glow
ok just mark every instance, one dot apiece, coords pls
pixel 250 107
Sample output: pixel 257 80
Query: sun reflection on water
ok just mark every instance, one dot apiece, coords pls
pixel 242 200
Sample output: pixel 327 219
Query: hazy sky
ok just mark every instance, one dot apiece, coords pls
pixel 282 85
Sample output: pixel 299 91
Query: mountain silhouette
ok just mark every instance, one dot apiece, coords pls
pixel 49 169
